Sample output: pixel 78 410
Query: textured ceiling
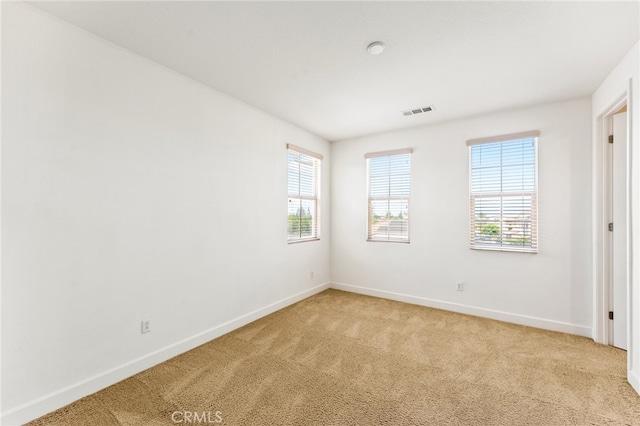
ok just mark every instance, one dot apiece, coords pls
pixel 306 62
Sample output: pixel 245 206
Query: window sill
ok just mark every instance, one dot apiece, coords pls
pixel 388 241
pixel 508 250
pixel 306 240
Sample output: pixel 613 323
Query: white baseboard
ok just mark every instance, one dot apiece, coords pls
pixel 58 399
pixel 633 380
pixel 470 310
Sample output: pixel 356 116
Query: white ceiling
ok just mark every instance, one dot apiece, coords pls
pixel 307 62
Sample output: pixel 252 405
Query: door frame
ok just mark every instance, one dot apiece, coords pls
pixel 602 330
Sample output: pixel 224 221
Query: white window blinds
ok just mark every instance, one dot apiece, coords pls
pixel 389 192
pixel 303 183
pixel 503 192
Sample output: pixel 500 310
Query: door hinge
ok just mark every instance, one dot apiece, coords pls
pixel 610 315
pixel 610 138
pixel 611 226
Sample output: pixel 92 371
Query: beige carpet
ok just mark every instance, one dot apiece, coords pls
pixel 344 359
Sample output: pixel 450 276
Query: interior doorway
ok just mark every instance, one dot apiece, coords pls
pixel 618 227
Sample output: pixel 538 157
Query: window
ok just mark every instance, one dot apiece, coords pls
pixel 389 191
pixel 303 170
pixel 504 192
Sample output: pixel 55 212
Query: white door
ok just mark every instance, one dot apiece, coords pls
pixel 620 232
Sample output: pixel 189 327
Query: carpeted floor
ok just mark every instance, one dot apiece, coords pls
pixel 344 359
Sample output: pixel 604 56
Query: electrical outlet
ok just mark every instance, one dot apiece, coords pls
pixel 460 286
pixel 146 326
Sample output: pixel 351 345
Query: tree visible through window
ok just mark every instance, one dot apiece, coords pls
pixel 303 183
pixel 503 193
pixel 389 192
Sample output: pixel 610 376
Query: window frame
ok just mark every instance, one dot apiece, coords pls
pixel 533 222
pixel 316 186
pixel 370 235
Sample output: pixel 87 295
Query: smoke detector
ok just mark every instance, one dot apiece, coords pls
pixel 376 47
pixel 414 111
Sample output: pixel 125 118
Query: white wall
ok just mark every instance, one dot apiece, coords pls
pixel 131 192
pixel 551 289
pixel 624 81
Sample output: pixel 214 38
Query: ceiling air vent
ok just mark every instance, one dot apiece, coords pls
pixel 415 111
